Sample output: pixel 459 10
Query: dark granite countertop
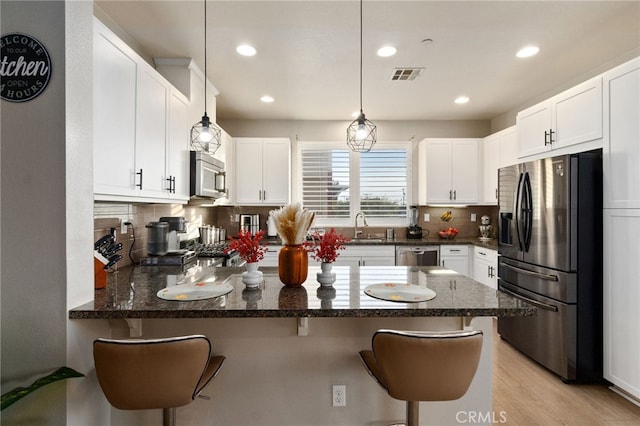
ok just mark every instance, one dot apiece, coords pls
pixel 131 293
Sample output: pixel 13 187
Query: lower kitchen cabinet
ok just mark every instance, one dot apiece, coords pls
pixel 622 299
pixel 456 258
pixel 485 266
pixel 271 256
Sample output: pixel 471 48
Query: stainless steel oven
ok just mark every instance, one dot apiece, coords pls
pixel 417 255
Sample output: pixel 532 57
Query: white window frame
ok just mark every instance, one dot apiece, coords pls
pixel 354 181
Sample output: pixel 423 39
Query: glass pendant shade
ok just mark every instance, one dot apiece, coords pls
pixel 361 134
pixel 205 136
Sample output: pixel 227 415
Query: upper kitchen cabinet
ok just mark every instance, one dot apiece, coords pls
pixel 573 117
pixel 262 171
pixel 621 141
pixel 499 150
pixel 448 171
pixel 114 109
pixel 140 129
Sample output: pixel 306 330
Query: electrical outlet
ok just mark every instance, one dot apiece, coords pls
pixel 123 227
pixel 427 217
pixel 339 396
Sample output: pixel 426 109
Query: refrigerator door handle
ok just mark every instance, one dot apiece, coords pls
pixel 518 219
pixel 523 271
pixel 527 194
pixel 531 301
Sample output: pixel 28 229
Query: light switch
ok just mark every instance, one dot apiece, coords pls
pixel 473 217
pixel 427 217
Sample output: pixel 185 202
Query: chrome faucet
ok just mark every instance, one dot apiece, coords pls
pixel 356 232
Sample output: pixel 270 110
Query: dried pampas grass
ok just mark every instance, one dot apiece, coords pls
pixel 292 223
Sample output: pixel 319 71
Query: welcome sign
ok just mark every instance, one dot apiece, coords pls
pixel 25 67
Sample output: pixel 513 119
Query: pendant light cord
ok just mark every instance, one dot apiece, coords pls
pixel 205 57
pixel 360 56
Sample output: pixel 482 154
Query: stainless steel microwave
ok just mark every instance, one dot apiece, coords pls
pixel 207 176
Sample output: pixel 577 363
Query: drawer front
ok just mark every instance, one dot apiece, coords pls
pixel 454 250
pixel 487 254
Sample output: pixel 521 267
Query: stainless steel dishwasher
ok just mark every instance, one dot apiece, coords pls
pixel 418 255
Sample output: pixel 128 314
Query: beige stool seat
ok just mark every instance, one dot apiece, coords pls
pixel 418 366
pixel 153 374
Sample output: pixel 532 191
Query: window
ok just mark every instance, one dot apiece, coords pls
pixel 337 183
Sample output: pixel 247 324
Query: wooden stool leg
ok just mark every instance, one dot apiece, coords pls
pixel 169 417
pixel 413 413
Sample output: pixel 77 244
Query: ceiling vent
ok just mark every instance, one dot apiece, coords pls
pixel 406 74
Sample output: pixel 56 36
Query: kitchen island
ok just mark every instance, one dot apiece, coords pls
pixel 286 347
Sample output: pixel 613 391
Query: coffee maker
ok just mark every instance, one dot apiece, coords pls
pixel 414 232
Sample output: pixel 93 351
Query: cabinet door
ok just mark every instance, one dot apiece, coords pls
pixel 621 146
pixel 456 263
pixel 151 133
pixel 577 114
pixel 276 171
pixel 464 170
pixel 508 147
pixel 491 155
pixel 438 174
pixel 531 125
pixel 178 146
pixel 114 108
pixel 621 296
pixel 248 171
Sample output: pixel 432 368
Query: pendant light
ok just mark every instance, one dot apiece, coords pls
pixel 205 135
pixel 361 133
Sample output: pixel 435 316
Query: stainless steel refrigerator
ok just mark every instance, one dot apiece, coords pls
pixel 550 246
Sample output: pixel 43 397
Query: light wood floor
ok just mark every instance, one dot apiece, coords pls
pixel 527 395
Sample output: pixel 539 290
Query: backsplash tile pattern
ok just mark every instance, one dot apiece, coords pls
pixel 110 215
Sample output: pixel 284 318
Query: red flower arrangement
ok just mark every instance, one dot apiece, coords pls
pixel 248 246
pixel 324 248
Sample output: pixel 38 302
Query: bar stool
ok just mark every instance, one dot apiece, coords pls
pixel 153 374
pixel 416 366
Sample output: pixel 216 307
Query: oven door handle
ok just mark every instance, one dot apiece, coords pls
pixel 531 301
pixel 531 273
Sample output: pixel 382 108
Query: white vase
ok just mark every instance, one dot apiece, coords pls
pixel 252 277
pixel 326 278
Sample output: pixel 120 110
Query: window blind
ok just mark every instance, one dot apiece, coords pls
pixel 325 182
pixel 383 183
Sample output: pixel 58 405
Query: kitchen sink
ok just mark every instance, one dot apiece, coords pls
pixel 366 240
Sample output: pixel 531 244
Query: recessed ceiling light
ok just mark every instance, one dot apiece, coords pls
pixel 527 51
pixel 461 100
pixel 246 50
pixel 267 99
pixel 387 51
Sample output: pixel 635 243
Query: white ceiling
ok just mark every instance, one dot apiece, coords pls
pixel 308 52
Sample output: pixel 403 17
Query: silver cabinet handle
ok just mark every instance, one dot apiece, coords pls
pixel 450 195
pixel 455 197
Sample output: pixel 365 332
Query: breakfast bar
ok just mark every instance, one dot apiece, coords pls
pixel 286 347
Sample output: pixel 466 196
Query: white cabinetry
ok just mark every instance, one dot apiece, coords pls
pixel 355 255
pixel 621 238
pixel 138 127
pixel 263 171
pixel 621 144
pixel 114 109
pixel 499 150
pixel 271 256
pixel 485 266
pixel 573 117
pixel 455 257
pixel 448 171
pixel 621 298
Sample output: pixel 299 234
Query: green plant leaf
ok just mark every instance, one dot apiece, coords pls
pixel 20 392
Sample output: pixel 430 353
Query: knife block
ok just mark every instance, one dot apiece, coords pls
pixel 99 274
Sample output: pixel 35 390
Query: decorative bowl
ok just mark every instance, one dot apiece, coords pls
pixel 447 235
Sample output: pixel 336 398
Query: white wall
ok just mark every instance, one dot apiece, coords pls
pixel 33 271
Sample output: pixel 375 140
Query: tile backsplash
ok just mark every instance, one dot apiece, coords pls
pixel 134 240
